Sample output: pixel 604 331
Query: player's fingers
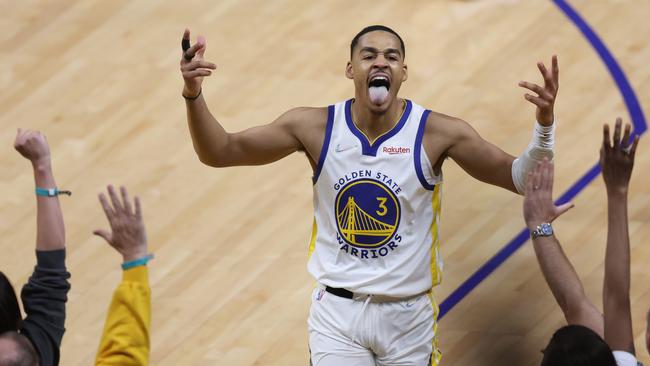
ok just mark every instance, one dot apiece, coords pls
pixel 607 141
pixel 543 93
pixel 542 103
pixel 548 79
pixel 550 176
pixel 543 177
pixel 201 51
pixel 529 184
pixel 197 73
pixel 634 145
pixel 138 208
pixel 198 65
pixel 125 200
pixel 563 208
pixel 537 176
pixel 191 52
pixel 625 142
pixel 617 133
pixel 104 234
pixel 117 206
pixel 106 206
pixel 185 41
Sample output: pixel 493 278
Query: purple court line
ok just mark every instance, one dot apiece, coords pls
pixel 640 127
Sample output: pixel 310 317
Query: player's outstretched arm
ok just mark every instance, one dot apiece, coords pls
pixel 216 147
pixel 617 161
pixel 541 145
pixel 479 158
pixel 560 275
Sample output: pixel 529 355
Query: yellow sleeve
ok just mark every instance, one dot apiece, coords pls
pixel 125 340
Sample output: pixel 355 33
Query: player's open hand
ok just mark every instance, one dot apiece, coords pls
pixel 127 235
pixel 193 66
pixel 33 146
pixel 545 98
pixel 617 158
pixel 538 202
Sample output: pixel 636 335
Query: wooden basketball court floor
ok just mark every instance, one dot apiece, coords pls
pixel 229 280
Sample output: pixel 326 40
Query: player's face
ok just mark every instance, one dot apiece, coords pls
pixel 378 70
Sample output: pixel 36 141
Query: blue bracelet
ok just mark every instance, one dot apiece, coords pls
pixel 50 192
pixel 137 262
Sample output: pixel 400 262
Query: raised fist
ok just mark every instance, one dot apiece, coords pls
pixel 32 145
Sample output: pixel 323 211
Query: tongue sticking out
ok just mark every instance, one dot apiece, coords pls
pixel 378 94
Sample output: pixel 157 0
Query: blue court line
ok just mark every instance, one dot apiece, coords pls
pixel 640 127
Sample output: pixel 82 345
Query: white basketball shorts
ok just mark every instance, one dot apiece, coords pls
pixel 362 332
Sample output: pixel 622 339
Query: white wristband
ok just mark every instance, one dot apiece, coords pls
pixel 540 147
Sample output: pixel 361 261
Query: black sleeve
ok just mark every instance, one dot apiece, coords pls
pixel 44 297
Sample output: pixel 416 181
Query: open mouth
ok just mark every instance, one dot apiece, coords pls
pixel 379 81
pixel 378 89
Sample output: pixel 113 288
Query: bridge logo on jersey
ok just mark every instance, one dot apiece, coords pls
pixel 367 214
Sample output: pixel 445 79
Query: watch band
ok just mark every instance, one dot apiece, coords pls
pixel 543 229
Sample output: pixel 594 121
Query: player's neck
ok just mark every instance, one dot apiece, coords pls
pixel 374 124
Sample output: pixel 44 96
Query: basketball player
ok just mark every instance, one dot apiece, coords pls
pixel 377 162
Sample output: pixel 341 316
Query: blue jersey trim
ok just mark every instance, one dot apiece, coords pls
pixel 366 147
pixel 326 143
pixel 417 151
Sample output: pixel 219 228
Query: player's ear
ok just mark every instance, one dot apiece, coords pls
pixel 348 70
pixel 406 73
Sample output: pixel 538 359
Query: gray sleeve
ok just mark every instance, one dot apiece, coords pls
pixel 44 297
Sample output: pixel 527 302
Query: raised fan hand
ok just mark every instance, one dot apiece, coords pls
pixel 617 157
pixel 127 234
pixel 538 202
pixel 32 145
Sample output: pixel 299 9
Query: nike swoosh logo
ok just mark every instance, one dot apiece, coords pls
pixel 345 148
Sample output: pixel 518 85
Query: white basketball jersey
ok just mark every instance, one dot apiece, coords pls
pixel 376 208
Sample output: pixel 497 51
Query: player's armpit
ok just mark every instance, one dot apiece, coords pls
pixel 479 158
pixel 268 143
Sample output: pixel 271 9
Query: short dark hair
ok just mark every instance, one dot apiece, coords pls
pixel 372 28
pixel 576 345
pixel 25 353
pixel 10 317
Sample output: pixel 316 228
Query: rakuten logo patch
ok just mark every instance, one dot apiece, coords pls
pixel 396 150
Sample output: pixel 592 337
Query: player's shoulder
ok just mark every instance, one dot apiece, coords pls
pixel 443 124
pixel 305 116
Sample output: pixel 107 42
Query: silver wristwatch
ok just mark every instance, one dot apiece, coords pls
pixel 543 229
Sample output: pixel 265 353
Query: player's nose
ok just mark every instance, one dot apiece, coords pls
pixel 381 61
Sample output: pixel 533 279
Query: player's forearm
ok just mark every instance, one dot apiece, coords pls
pixel 617 258
pixel 560 275
pixel 50 231
pixel 540 147
pixel 208 136
pixel 616 288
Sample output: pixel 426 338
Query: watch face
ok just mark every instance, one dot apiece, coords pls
pixel 547 230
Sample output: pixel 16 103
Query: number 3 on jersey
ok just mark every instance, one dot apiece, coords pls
pixel 382 205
